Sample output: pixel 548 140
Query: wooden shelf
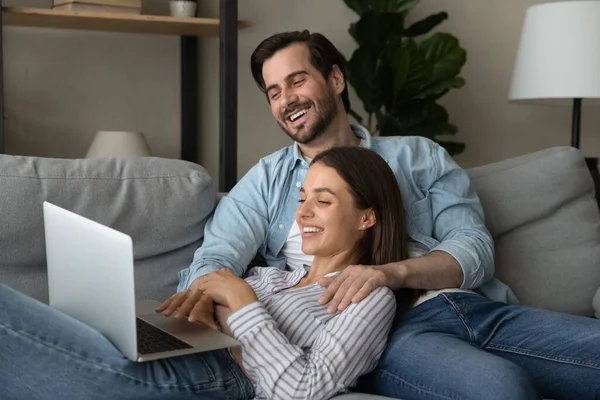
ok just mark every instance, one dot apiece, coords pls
pixel 150 24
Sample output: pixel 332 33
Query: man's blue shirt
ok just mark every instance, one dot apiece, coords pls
pixel 443 212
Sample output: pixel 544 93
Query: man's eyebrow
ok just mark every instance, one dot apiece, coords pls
pixel 287 78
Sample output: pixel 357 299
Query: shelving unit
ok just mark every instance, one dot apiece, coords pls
pixel 189 29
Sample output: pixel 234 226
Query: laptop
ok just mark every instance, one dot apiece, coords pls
pixel 91 278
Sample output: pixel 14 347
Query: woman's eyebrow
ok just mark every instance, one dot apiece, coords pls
pixel 319 190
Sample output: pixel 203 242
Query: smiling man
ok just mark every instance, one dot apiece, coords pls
pixel 463 326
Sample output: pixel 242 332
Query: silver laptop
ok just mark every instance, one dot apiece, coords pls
pixel 90 277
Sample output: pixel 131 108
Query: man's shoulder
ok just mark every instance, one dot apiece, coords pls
pixel 390 147
pixel 275 161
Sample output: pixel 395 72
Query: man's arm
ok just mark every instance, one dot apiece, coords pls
pixel 436 270
pixel 235 231
pixel 463 258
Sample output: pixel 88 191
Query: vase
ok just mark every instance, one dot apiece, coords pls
pixel 183 8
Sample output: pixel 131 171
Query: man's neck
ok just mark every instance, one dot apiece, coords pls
pixel 339 134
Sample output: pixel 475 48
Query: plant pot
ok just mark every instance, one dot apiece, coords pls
pixel 183 8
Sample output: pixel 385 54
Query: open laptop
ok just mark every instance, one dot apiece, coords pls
pixel 91 278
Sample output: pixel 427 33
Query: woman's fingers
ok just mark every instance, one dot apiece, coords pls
pixel 203 313
pixel 172 304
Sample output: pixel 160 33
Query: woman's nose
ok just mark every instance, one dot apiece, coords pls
pixel 304 210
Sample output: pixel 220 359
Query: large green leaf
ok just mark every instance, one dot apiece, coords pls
pixel 401 6
pixel 375 30
pixel 439 88
pixel 393 71
pixel 420 72
pixel 360 73
pixel 426 25
pixel 380 6
pixel 359 6
pixel 443 51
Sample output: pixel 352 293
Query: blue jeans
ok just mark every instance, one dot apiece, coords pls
pixel 465 346
pixel 45 354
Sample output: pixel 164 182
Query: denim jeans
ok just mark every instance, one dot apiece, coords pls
pixel 45 354
pixel 465 346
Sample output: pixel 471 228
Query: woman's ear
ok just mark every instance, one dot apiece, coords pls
pixel 368 219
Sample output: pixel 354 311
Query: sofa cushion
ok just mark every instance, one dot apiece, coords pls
pixel 541 211
pixel 161 203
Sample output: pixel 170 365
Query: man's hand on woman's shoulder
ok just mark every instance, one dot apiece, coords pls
pixel 355 283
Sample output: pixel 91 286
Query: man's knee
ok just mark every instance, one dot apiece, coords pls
pixel 504 381
pixel 499 380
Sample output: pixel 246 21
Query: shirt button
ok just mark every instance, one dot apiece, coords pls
pixel 298 184
pixel 280 226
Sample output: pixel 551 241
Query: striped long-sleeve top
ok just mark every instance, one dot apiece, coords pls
pixel 293 349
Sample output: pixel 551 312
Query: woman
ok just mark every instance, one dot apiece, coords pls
pixel 291 346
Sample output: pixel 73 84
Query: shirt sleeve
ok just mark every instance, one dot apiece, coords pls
pixel 458 218
pixel 348 346
pixel 235 231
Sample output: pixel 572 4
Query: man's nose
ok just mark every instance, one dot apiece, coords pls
pixel 288 99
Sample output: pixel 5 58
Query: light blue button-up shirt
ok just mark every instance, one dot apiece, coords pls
pixel 443 212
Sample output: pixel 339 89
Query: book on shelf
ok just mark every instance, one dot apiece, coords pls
pixel 107 6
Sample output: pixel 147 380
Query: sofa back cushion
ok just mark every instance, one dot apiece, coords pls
pixel 541 211
pixel 161 203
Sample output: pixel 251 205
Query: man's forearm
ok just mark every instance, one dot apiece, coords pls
pixel 436 270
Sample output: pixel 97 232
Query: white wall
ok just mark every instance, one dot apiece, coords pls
pixel 62 86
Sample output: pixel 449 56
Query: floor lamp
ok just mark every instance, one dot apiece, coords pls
pixel 558 61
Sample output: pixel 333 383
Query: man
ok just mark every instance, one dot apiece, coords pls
pixel 448 337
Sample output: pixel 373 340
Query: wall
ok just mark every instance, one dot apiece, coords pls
pixel 62 86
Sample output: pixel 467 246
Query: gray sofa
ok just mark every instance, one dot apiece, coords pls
pixel 539 207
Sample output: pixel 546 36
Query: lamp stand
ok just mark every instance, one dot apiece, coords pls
pixel 591 162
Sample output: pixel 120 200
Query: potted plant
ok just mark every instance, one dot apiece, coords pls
pixel 399 78
pixel 183 8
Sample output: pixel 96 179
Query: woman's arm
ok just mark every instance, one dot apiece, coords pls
pixel 348 346
pixel 221 315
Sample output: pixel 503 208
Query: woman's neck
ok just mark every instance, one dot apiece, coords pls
pixel 322 266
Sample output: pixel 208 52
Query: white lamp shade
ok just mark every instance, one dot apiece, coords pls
pixel 119 144
pixel 559 53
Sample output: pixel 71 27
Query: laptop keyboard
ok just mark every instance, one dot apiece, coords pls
pixel 152 340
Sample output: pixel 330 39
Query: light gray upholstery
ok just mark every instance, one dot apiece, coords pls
pixel 163 204
pixel 541 210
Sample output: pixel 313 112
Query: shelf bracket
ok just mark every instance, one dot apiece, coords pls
pixel 189 98
pixel 228 93
pixel 2 133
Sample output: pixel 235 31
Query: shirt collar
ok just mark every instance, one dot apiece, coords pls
pixel 360 131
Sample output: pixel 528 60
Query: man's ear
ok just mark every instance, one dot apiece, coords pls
pixel 337 79
pixel 368 220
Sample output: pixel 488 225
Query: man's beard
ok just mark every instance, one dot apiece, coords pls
pixel 325 117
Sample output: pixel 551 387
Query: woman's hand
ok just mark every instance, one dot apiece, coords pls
pixel 227 289
pixel 193 304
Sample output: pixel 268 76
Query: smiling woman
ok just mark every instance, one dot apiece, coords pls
pixel 292 346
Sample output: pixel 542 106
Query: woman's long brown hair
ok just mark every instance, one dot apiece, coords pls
pixel 372 184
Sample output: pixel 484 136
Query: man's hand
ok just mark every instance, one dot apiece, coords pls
pixel 192 303
pixel 353 284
